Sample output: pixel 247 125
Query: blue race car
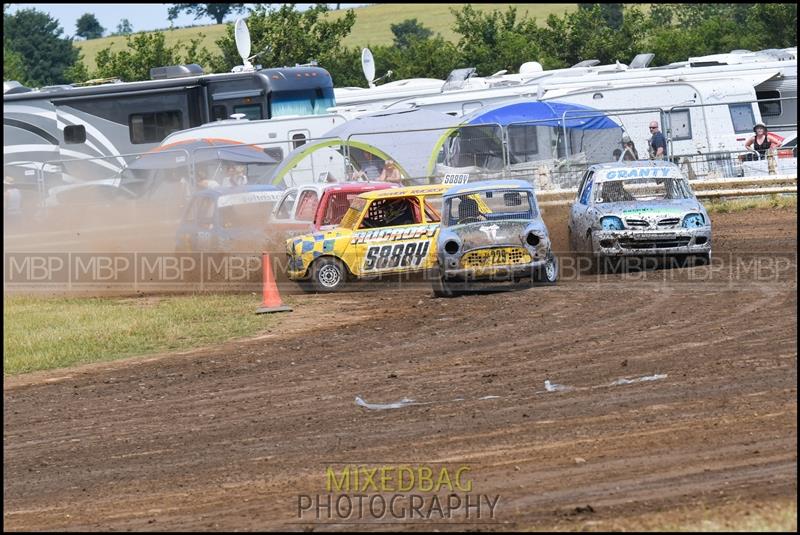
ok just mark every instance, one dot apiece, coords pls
pixel 227 219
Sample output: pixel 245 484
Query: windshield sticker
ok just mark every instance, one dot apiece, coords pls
pixel 643 172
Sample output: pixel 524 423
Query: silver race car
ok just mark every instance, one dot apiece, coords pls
pixel 492 230
pixel 640 208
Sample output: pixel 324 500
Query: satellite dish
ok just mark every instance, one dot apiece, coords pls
pixel 242 38
pixel 368 66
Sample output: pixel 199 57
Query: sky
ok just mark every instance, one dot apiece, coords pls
pixel 141 16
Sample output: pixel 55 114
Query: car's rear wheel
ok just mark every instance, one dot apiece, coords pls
pixel 548 273
pixel 328 274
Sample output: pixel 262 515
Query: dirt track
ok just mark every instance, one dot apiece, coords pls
pixel 227 437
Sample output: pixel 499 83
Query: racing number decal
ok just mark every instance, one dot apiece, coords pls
pixel 398 255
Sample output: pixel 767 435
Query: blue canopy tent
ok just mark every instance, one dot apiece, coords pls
pixel 498 136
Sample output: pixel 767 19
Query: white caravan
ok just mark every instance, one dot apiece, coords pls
pixel 772 75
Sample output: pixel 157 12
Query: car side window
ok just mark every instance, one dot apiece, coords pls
pixel 285 209
pixel 587 189
pixel 392 213
pixel 307 206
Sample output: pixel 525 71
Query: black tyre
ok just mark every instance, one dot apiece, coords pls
pixel 328 274
pixel 702 259
pixel 547 274
pixel 441 288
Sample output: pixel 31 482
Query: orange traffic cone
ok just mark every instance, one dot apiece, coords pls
pixel 272 299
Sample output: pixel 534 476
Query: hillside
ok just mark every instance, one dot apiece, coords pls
pixel 372 25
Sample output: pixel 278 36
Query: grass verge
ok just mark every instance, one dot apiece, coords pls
pixel 740 205
pixel 43 333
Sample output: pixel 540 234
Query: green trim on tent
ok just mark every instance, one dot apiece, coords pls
pixel 278 179
pixel 438 146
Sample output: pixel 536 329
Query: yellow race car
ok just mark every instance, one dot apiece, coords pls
pixel 383 232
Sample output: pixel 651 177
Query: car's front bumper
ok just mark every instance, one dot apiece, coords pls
pixel 494 272
pixel 656 242
pixel 452 268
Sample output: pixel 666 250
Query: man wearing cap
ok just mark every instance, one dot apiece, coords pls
pixel 658 143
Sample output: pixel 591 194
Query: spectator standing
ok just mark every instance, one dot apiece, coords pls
pixel 657 144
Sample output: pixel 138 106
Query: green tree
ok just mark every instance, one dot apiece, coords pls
pixel 285 36
pixel 407 30
pixel 612 13
pixel 777 23
pixel 13 66
pixel 145 51
pixel 217 12
pixel 36 37
pixel 124 27
pixel 77 72
pixel 585 34
pixel 422 58
pixel 495 41
pixel 89 27
pixel 345 68
pixel 678 31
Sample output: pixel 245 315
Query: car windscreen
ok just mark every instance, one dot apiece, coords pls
pixel 338 204
pixel 642 189
pixel 488 206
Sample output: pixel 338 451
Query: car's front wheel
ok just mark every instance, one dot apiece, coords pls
pixel 548 273
pixel 442 288
pixel 328 274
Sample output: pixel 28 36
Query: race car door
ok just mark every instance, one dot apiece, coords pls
pixel 578 220
pixel 393 237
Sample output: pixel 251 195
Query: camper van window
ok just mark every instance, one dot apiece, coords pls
pixel 298 140
pixel 275 152
pixel 75 133
pixel 769 108
pixel 681 124
pixel 301 102
pixel 742 117
pixel 219 113
pixel 154 127
pixel 251 111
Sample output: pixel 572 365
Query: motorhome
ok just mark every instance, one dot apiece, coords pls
pixel 97 124
pixel 772 75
